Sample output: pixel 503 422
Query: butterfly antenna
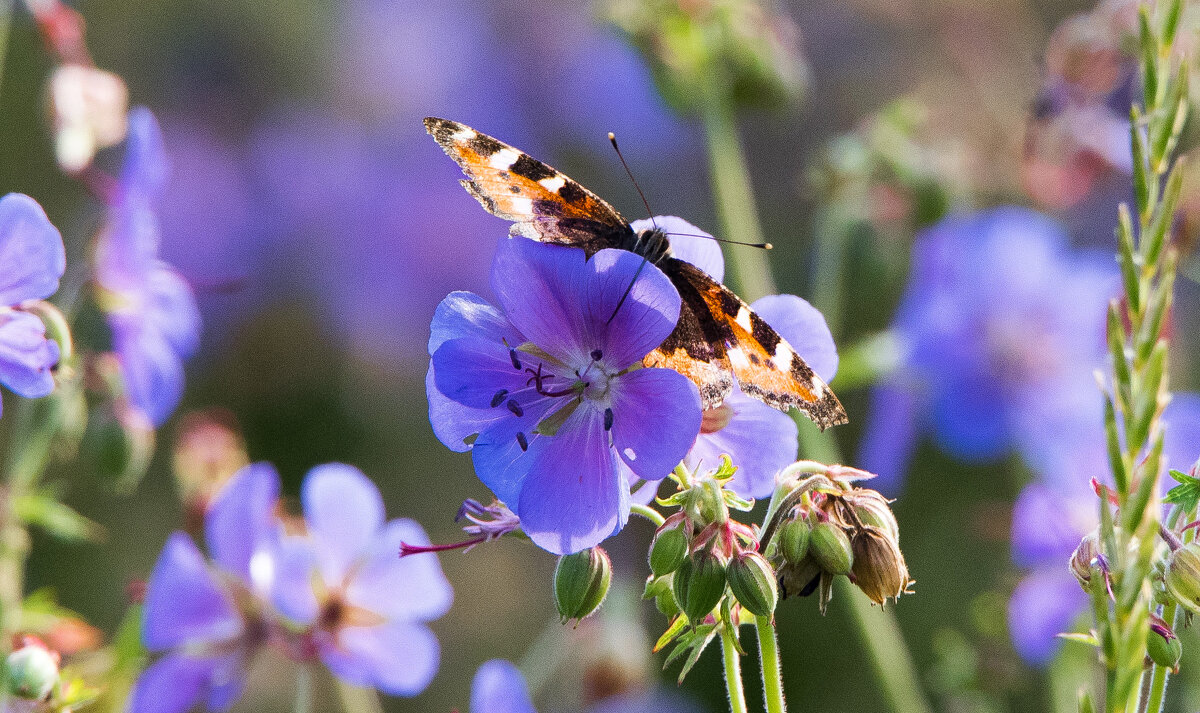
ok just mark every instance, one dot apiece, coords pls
pixel 764 246
pixel 627 291
pixel 612 139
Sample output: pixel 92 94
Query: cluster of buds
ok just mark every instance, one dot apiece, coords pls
pixel 821 526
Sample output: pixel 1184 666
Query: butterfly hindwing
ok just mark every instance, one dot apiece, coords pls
pixel 542 203
pixel 764 364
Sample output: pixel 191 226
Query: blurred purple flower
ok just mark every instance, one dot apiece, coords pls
pixel 499 687
pixel 545 387
pixel 33 260
pixel 1052 515
pixel 1000 329
pixel 192 611
pixel 759 439
pixel 367 605
pixel 151 310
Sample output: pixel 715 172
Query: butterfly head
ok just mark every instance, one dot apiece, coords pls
pixel 651 243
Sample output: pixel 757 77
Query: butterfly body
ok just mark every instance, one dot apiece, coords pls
pixel 718 338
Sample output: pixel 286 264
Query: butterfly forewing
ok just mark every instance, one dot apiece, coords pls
pixel 542 203
pixel 718 337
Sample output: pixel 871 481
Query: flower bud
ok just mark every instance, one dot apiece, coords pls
pixel 669 548
pixel 699 584
pixel 830 547
pixel 873 510
pixel 879 569
pixel 793 539
pixel 119 440
pixel 581 582
pixel 32 672
pixel 88 108
pixel 752 582
pixel 1183 576
pixel 1082 559
pixel 1163 647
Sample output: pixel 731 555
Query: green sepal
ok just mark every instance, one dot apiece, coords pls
pixel 1116 459
pixel 1187 494
pixel 55 518
pixel 1088 638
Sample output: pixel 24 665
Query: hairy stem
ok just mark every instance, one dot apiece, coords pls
pixel 772 676
pixel 649 513
pixel 357 699
pixel 733 672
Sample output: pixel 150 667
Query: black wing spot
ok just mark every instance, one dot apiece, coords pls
pixel 484 145
pixel 762 332
pixel 572 192
pixel 730 304
pixel 529 167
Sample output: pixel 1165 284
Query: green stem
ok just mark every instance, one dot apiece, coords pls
pixel 733 672
pixel 649 513
pixel 304 685
pixel 768 651
pixel 734 197
pixel 6 12
pixel 357 699
pixel 890 659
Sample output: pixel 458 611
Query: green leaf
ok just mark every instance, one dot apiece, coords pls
pixel 1088 638
pixel 55 518
pixel 1187 494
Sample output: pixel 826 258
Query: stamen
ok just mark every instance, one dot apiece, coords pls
pixel 407 549
pixel 512 354
pixel 515 408
pixel 499 397
pixel 608 419
pixel 522 441
pixel 597 355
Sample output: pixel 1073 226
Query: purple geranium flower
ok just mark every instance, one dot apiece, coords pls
pixel 1053 514
pixel 548 392
pixel 367 606
pixel 499 687
pixel 201 616
pixel 151 310
pixel 32 259
pixel 1000 330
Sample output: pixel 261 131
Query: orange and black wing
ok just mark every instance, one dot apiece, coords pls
pixel 542 203
pixel 718 333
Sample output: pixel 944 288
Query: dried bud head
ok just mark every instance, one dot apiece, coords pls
pixel 879 569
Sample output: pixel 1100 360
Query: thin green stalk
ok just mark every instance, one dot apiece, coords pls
pixel 6 13
pixel 304 684
pixel 1159 675
pixel 733 672
pixel 889 656
pixel 649 513
pixel 734 196
pixel 357 699
pixel 768 652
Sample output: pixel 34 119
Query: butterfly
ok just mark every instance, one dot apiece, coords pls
pixel 717 339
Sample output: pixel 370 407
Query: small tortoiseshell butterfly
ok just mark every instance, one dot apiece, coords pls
pixel 718 337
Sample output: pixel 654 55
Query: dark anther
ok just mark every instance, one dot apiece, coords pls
pixel 597 355
pixel 499 397
pixel 515 408
pixel 512 354
pixel 608 419
pixel 522 441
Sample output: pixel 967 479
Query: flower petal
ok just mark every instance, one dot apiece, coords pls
pixel 152 369
pixel 1043 605
pixel 466 314
pixel 292 592
pixel 26 355
pixel 565 303
pixel 758 439
pixel 31 251
pixel 240 528
pixel 473 370
pixel 891 435
pixel 500 461
pixel 145 169
pixel 397 658
pixel 1048 524
pixel 172 310
pixel 185 602
pixel 804 327
pixel 344 513
pixel 177 682
pixel 703 252
pixel 452 422
pixel 571 498
pixel 499 687
pixel 656 417
pixel 410 588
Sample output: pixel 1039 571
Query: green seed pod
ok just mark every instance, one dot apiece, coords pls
pixel 669 548
pixel 581 582
pixel 1183 576
pixel 830 547
pixel 793 540
pixel 1163 648
pixel 32 673
pixel 752 582
pixel 699 584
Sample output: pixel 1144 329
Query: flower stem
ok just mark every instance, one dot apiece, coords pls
pixel 357 699
pixel 649 513
pixel 768 651
pixel 304 686
pixel 889 656
pixel 6 13
pixel 734 196
pixel 733 672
